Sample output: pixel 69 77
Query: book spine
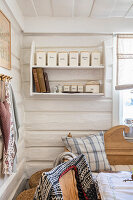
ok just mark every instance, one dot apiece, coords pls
pixel 36 80
pixel 41 80
pixel 46 81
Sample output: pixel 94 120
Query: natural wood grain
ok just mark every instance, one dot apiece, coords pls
pixel 118 150
pixel 68 186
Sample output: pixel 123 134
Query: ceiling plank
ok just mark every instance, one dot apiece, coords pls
pixel 43 7
pixel 62 8
pixel 27 8
pixel 102 8
pixel 129 14
pixel 120 8
pixel 110 8
pixel 83 7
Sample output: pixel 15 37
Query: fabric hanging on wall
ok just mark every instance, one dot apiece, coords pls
pixel 5 117
pixel 9 156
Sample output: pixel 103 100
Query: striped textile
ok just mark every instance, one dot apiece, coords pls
pixel 49 186
pixel 92 146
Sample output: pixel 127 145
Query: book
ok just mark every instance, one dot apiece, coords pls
pixel 41 80
pixel 36 82
pixel 46 81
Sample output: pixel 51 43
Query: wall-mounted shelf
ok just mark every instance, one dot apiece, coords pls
pixel 75 75
pixel 69 67
pixel 66 94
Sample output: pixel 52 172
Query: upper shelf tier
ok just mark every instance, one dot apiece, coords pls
pixel 69 67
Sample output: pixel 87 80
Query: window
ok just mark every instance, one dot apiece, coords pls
pixel 124 79
pixel 124 62
pixel 127 104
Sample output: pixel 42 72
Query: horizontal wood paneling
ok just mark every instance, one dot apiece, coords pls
pixel 50 138
pixel 34 166
pixel 89 105
pixel 42 153
pixel 67 121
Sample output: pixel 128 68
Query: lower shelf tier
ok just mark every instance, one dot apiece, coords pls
pixel 67 94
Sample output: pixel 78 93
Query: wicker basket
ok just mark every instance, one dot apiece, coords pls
pixel 34 179
pixel 26 194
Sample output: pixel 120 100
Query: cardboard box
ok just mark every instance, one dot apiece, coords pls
pixel 95 59
pixel 41 58
pixel 73 58
pixel 84 58
pixel 63 59
pixel 52 58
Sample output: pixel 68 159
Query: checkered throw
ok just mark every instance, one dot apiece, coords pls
pixel 92 146
pixel 49 187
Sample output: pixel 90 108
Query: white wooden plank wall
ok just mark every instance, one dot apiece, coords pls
pixel 47 120
pixel 15 72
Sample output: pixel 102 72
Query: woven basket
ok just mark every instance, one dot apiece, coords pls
pixel 26 194
pixel 34 179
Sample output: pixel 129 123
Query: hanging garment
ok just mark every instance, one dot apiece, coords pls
pixel 9 160
pixel 2 91
pixel 5 123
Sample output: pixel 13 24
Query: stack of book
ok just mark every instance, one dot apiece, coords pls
pixel 40 81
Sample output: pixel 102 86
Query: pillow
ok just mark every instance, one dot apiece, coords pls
pixel 92 146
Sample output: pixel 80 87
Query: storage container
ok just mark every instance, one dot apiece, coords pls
pixel 66 88
pixel 52 58
pixel 73 58
pixel 74 88
pixel 80 88
pixel 92 87
pixel 95 59
pixel 41 58
pixel 63 59
pixel 84 58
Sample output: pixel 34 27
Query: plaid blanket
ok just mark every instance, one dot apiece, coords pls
pixel 49 187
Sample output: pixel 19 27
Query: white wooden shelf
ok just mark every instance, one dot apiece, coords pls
pixel 69 67
pixel 80 74
pixel 67 94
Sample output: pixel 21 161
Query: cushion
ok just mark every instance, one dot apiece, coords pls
pixel 92 146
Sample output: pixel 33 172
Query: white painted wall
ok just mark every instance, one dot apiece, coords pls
pixel 47 120
pixel 9 184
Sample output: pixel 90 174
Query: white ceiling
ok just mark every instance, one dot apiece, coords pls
pixel 77 8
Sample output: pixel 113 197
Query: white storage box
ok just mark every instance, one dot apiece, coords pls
pixel 63 59
pixel 73 58
pixel 84 58
pixel 52 59
pixel 41 58
pixel 66 88
pixel 74 88
pixel 80 88
pixel 92 87
pixel 95 59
